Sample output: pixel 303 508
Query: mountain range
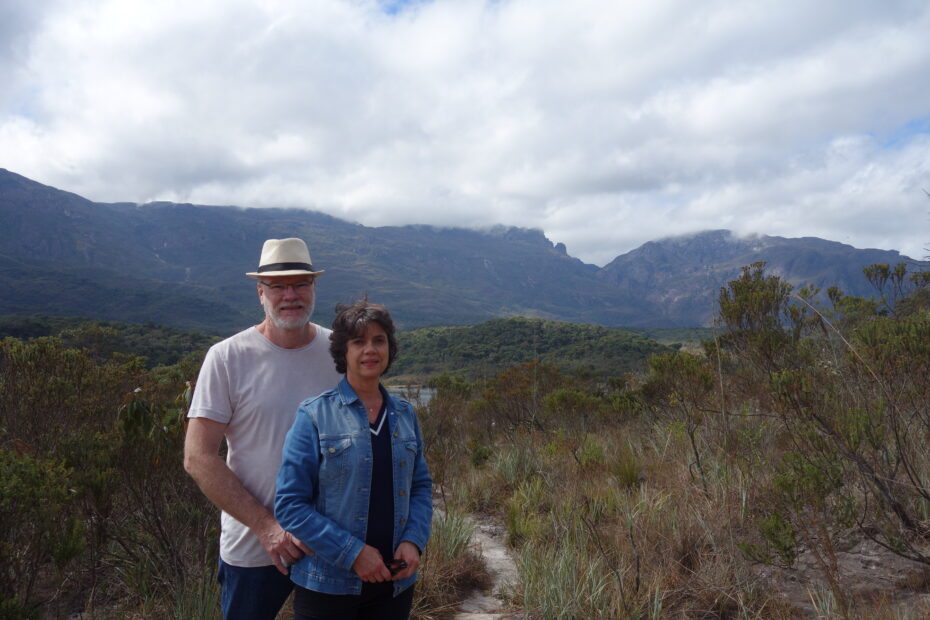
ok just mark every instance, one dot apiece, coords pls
pixel 183 265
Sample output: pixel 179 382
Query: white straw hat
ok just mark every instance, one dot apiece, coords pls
pixel 284 257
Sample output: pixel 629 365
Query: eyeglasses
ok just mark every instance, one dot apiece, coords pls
pixel 279 289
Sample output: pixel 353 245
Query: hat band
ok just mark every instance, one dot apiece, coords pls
pixel 286 267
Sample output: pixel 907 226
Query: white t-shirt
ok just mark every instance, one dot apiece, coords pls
pixel 255 386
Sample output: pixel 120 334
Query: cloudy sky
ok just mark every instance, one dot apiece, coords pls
pixel 605 123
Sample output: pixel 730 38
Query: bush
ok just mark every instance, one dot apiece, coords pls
pixel 108 514
pixel 38 526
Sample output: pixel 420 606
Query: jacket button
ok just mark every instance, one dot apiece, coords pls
pixel 403 520
pixel 332 450
pixel 402 463
pixel 402 492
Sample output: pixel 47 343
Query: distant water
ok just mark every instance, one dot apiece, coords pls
pixel 419 395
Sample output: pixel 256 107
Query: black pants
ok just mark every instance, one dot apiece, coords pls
pixel 376 602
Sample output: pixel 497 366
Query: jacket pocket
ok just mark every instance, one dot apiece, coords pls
pixel 336 462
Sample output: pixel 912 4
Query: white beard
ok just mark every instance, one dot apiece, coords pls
pixel 271 313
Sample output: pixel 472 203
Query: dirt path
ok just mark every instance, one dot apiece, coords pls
pixel 869 573
pixel 488 538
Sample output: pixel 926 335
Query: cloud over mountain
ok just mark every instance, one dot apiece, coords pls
pixel 604 124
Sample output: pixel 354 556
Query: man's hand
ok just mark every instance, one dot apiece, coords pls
pixel 369 565
pixel 282 547
pixel 408 552
pixel 225 490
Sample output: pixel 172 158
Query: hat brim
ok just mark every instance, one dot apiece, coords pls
pixel 291 272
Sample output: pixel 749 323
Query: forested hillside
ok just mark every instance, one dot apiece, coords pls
pixel 157 344
pixel 481 351
pixel 465 351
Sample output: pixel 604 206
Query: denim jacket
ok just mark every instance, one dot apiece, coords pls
pixel 322 488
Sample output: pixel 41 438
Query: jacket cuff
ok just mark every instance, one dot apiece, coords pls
pixel 407 540
pixel 350 553
pixel 417 541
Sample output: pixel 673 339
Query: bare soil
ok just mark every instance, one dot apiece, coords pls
pixel 868 574
pixel 489 540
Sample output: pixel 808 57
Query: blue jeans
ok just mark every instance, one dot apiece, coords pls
pixel 252 593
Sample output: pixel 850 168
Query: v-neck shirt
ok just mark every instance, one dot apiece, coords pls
pixel 380 534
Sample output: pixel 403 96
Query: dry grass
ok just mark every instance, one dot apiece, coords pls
pixel 451 568
pixel 702 489
pixel 618 525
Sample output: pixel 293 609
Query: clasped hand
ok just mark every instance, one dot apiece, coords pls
pixel 370 566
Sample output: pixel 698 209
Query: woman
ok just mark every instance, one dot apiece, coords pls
pixel 353 483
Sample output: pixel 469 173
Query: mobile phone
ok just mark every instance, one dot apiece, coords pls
pixel 395 566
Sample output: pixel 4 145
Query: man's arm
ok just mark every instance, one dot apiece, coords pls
pixel 222 487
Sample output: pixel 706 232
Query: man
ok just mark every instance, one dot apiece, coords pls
pixel 248 391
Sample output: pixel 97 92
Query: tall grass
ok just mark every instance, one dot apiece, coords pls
pixel 563 583
pixel 677 493
pixel 199 599
pixel 782 440
pixel 451 567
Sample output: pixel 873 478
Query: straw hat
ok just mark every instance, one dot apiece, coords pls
pixel 284 257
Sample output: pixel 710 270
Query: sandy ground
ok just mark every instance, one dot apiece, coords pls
pixel 488 539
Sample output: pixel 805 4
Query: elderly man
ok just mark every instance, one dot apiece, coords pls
pixel 248 391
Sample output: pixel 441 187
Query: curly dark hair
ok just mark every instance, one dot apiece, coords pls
pixel 351 321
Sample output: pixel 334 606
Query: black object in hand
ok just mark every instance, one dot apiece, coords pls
pixel 395 566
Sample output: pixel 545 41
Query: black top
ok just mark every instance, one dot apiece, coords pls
pixel 380 534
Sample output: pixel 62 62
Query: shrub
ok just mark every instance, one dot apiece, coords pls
pixel 624 467
pixel 524 512
pixel 38 526
pixel 591 455
pixel 109 506
pixel 479 453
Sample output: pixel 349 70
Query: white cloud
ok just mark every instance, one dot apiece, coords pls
pixel 605 124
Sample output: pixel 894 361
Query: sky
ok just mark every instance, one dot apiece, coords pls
pixel 604 123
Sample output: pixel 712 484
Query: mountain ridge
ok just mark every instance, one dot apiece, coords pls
pixel 184 265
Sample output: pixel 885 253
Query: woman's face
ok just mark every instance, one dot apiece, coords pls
pixel 367 354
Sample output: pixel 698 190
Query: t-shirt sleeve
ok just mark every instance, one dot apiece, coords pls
pixel 211 394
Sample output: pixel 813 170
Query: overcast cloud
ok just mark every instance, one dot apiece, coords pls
pixel 604 123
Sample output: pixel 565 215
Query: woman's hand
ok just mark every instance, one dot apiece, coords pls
pixel 408 552
pixel 369 565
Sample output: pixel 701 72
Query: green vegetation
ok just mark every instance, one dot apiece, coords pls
pixel 691 487
pixel 481 351
pixel 467 351
pixel 675 337
pixel 96 509
pixel 97 515
pixel 159 345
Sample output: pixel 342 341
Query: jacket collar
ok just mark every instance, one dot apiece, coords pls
pixel 348 395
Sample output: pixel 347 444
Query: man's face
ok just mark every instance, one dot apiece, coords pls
pixel 287 300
